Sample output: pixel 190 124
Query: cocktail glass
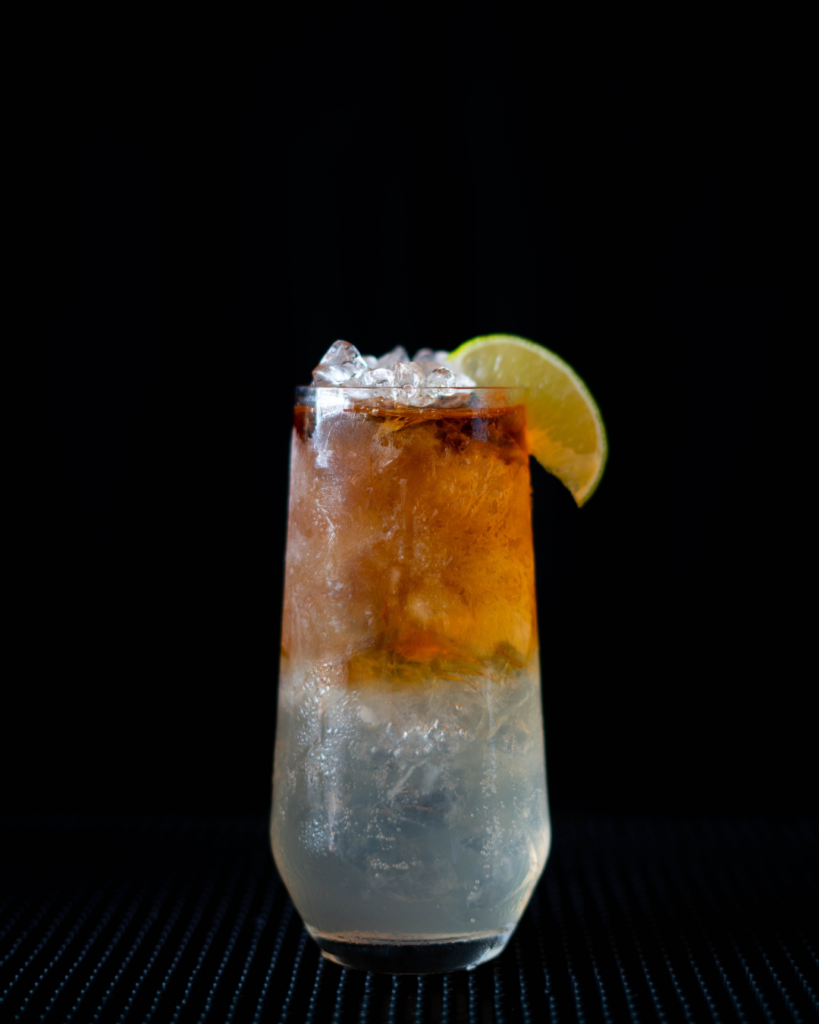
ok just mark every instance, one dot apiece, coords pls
pixel 410 820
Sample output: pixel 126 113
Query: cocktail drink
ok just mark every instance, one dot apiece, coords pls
pixel 410 821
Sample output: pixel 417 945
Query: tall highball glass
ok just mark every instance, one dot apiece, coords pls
pixel 410 820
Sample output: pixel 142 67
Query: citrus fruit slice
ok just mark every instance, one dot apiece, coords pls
pixel 566 432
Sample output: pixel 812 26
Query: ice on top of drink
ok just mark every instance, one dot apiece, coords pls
pixel 423 381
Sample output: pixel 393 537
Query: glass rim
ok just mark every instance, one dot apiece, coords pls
pixel 402 387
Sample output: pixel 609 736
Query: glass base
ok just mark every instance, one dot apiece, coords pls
pixel 433 956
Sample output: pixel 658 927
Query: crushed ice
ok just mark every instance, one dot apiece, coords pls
pixel 424 380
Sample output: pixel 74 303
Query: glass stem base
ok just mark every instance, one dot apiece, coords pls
pixel 434 956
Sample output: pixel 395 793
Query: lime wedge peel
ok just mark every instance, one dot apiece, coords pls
pixel 566 431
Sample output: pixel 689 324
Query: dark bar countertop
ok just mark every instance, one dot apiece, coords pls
pixel 637 919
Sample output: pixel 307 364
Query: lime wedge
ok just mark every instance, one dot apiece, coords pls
pixel 566 432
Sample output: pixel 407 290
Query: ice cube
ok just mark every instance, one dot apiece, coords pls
pixel 421 397
pixel 425 358
pixel 342 353
pixel 426 355
pixel 398 355
pixel 438 385
pixel 340 362
pixel 330 376
pixel 408 374
pixel 457 393
pixel 380 378
pixel 429 360
pixel 359 385
pixel 441 376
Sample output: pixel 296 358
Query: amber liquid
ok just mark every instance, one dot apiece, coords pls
pixel 409 785
pixel 410 544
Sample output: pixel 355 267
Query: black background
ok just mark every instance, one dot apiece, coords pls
pixel 209 206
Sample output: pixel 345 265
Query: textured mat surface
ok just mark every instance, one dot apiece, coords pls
pixel 184 919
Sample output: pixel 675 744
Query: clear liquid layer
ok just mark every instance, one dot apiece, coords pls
pixel 410 813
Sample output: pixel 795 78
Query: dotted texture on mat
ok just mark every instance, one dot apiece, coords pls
pixel 637 919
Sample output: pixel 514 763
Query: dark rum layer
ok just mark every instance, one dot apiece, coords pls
pixel 410 541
